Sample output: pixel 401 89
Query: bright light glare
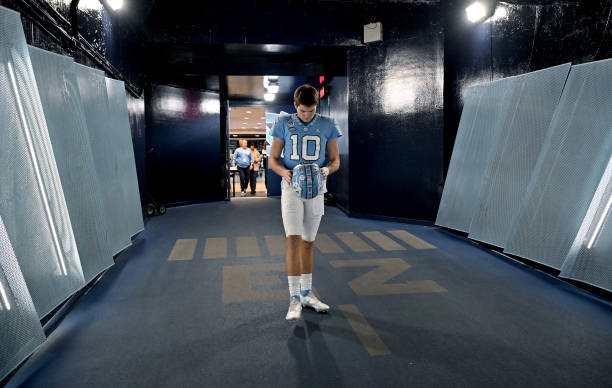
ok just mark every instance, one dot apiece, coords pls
pixel 39 179
pixel 4 298
pixel 269 96
pixel 115 4
pixel 173 104
pixel 210 106
pixel 90 5
pixel 399 95
pixel 604 215
pixel 500 13
pixel 476 12
pixel 273 88
pixel 248 111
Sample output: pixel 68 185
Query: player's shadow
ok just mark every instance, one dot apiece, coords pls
pixel 316 366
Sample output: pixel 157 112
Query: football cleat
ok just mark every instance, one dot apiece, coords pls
pixel 310 300
pixel 295 309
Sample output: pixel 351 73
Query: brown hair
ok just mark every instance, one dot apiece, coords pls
pixel 306 95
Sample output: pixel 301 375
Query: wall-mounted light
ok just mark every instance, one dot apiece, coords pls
pixel 269 97
pixel 115 4
pixel 480 11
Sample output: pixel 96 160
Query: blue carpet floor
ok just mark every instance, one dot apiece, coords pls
pixel 450 315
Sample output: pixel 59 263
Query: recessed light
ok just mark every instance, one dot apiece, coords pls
pixel 258 123
pixel 246 118
pixel 248 111
pixel 244 123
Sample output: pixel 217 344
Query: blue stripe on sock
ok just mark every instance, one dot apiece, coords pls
pixel 304 292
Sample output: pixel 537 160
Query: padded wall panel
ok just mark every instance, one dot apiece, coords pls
pixel 574 157
pixel 32 202
pixel 454 211
pixel 21 332
pixel 92 87
pixel 121 138
pixel 590 256
pixel 475 146
pixel 61 101
pixel 519 145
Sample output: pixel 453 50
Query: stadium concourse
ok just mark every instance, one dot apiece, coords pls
pixel 200 300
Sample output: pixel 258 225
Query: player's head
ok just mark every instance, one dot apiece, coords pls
pixel 305 100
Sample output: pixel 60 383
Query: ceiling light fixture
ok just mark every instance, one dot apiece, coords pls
pixel 269 97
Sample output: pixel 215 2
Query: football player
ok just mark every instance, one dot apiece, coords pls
pixel 303 138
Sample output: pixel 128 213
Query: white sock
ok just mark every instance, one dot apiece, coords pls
pixel 306 283
pixel 294 286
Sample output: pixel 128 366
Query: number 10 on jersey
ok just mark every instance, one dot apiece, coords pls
pixel 305 139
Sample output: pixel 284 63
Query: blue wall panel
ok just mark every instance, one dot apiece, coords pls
pixel 185 163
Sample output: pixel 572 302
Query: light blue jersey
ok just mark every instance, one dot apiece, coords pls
pixel 243 157
pixel 304 142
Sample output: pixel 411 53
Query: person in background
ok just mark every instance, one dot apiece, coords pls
pixel 243 158
pixel 255 170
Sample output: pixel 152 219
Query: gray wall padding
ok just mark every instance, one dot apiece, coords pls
pixel 121 137
pixel 92 87
pixel 21 332
pixel 525 125
pixel 573 160
pixel 32 202
pixel 61 101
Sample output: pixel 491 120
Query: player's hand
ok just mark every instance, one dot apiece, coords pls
pixel 287 175
pixel 324 172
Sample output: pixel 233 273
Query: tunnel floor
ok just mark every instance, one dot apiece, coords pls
pixel 200 300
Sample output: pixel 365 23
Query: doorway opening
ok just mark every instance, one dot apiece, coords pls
pixel 247 131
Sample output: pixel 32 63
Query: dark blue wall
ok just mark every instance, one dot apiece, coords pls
pixel 336 106
pixel 136 110
pixel 395 117
pixel 185 160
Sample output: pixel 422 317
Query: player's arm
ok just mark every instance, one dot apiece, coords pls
pixel 274 160
pixel 333 153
